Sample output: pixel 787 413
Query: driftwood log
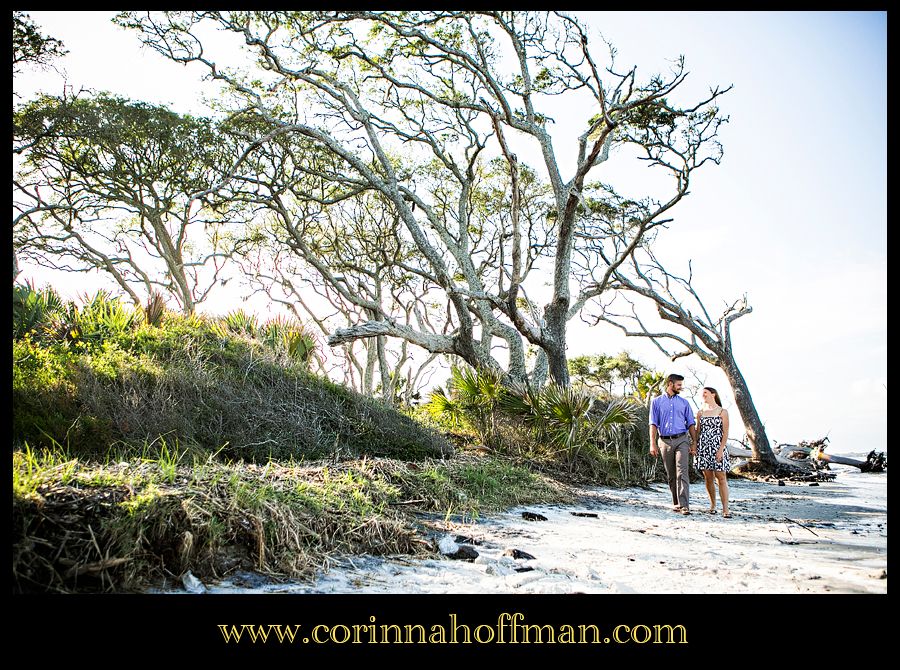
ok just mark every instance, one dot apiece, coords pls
pixel 809 457
pixel 875 462
pixel 787 455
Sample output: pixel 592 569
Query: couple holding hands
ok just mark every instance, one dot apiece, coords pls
pixel 677 435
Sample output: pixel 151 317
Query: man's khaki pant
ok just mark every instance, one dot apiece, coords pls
pixel 676 455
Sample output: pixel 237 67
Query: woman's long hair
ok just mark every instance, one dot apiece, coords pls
pixel 715 394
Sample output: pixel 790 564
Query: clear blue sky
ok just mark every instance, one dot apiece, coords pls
pixel 796 215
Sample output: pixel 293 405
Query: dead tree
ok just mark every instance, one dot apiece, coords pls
pixel 708 338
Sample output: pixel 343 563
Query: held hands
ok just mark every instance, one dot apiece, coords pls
pixel 693 448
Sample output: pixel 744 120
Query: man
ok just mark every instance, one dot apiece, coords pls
pixel 673 432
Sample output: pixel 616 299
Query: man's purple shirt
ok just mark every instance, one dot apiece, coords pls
pixel 671 415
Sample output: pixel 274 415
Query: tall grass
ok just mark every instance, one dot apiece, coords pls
pixel 119 526
pixel 33 468
pixel 108 378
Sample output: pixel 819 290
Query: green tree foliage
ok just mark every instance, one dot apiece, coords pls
pixel 649 386
pixel 30 47
pixel 610 375
pixel 122 187
pixel 417 106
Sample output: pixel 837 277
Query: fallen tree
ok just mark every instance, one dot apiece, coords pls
pixel 783 468
pixel 875 462
pixel 806 460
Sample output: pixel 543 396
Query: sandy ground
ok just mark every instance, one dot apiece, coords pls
pixel 782 539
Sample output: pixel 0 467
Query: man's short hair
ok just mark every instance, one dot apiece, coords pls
pixel 671 379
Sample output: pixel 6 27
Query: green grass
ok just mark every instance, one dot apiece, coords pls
pixel 474 486
pixel 194 383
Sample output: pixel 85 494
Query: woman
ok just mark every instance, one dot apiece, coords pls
pixel 712 457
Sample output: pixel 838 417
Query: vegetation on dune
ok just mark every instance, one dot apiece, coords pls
pixel 148 443
pixel 98 374
pixel 595 439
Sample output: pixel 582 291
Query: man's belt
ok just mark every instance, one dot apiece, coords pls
pixel 669 437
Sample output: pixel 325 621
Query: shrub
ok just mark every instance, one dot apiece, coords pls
pixel 240 323
pixel 471 403
pixel 292 337
pixel 602 439
pixel 100 318
pixel 33 310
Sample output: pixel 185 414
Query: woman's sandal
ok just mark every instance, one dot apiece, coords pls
pixel 727 515
pixel 710 511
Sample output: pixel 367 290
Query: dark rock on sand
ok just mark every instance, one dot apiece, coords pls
pixel 464 553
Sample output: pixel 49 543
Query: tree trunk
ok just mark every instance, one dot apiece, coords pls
pixel 756 433
pixel 559 368
pixel 840 460
pixel 368 381
pixel 539 371
pixel 555 341
pixel 387 386
pixel 738 452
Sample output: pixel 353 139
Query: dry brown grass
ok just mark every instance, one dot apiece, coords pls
pixel 121 527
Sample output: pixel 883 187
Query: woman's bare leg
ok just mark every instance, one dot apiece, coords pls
pixel 722 478
pixel 710 482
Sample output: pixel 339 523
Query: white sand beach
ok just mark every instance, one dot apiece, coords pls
pixel 795 538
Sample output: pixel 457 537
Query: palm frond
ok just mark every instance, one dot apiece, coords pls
pixel 620 412
pixel 241 323
pixel 445 409
pixel 34 311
